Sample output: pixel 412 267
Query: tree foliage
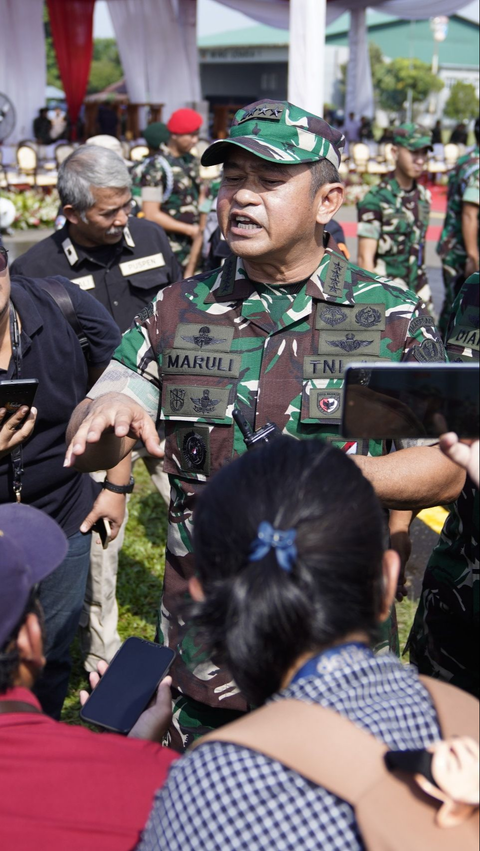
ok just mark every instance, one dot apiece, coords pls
pixel 400 75
pixel 463 102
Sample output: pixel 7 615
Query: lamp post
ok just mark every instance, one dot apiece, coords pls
pixel 439 27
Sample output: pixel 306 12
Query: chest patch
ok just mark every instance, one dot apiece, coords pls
pixel 85 282
pixel 188 362
pixel 199 338
pixel 349 342
pixel 142 264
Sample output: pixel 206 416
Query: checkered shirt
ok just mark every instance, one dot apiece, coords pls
pixel 224 797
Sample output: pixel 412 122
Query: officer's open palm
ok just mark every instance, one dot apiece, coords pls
pixel 113 414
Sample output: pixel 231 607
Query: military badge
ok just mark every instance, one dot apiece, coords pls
pixel 204 405
pixel 203 338
pixel 420 322
pixel 328 404
pixel 429 350
pixel 332 316
pixel 177 399
pixel 368 316
pixel 350 344
pixel 194 450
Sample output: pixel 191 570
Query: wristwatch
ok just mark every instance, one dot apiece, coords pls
pixel 109 486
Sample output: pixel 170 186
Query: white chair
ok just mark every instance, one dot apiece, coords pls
pixel 27 162
pixel 63 151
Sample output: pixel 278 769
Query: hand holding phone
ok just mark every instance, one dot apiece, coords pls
pixel 104 530
pixel 120 700
pixel 16 428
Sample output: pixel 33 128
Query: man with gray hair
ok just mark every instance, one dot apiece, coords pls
pixel 123 262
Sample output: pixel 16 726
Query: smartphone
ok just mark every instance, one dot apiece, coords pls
pixel 407 400
pixel 18 392
pixel 126 688
pixel 104 530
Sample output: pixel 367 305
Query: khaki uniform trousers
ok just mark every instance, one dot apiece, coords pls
pixel 98 633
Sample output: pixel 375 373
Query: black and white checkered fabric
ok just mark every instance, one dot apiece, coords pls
pixel 226 798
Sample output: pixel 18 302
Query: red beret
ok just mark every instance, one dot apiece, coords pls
pixel 185 121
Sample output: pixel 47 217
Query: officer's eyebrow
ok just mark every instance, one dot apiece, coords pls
pixel 110 210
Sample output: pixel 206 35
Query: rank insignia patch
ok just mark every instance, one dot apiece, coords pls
pixel 204 404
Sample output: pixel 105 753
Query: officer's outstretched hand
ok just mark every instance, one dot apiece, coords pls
pixel 113 414
pixel 464 452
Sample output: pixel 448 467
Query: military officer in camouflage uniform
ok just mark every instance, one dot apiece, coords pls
pixel 169 183
pixel 393 216
pixel 458 245
pixel 444 641
pixel 271 333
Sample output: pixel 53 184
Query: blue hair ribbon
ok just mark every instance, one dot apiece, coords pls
pixel 283 542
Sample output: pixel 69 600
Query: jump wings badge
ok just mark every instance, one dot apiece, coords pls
pixel 203 338
pixel 204 405
pixel 350 344
pixel 177 399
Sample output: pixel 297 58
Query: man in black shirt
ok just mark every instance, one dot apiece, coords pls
pixel 36 341
pixel 123 262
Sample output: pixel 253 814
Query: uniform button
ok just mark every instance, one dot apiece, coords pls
pixel 115 303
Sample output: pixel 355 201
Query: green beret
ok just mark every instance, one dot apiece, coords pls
pixel 155 134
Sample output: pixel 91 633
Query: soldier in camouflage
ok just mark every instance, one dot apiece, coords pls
pixel 271 333
pixel 169 183
pixel 393 216
pixel 444 640
pixel 459 242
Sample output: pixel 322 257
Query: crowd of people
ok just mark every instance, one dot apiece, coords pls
pixel 162 313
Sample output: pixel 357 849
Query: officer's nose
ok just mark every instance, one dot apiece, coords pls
pixel 121 219
pixel 246 195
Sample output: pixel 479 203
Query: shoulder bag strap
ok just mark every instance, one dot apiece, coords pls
pixel 316 742
pixel 457 711
pixel 7 706
pixel 61 296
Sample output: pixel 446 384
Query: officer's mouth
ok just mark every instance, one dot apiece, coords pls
pixel 243 225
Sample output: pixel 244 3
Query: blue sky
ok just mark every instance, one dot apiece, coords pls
pixel 214 17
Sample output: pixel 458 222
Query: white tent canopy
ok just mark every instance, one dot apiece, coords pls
pixel 157 45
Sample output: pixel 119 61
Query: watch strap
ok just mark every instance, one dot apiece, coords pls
pixel 109 486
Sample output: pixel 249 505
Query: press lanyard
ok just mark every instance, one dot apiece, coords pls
pixel 310 668
pixel 16 455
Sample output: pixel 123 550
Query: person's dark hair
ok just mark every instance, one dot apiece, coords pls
pixel 9 655
pixel 257 618
pixel 322 172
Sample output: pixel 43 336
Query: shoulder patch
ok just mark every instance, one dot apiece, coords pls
pixel 420 322
pixel 429 350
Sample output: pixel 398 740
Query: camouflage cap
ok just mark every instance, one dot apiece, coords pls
pixel 279 132
pixel 412 136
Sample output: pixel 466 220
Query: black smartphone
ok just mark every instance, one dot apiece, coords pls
pixel 126 688
pixel 407 400
pixel 104 530
pixel 16 393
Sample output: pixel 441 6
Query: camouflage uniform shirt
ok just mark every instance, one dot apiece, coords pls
pixel 444 641
pixel 463 187
pixel 173 182
pixel 212 342
pixel 398 221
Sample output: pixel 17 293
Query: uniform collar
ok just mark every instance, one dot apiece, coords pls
pixel 327 283
pixel 392 183
pixel 76 253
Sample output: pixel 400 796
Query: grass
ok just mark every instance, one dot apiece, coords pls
pixel 140 578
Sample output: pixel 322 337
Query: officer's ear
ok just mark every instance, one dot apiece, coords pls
pixel 71 214
pixel 328 201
